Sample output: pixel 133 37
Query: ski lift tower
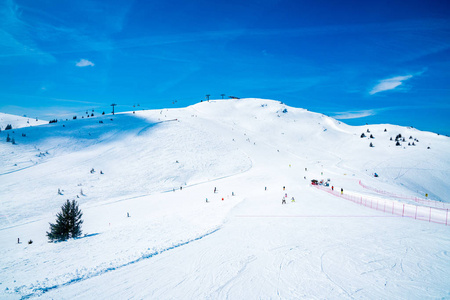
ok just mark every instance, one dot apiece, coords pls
pixel 113 107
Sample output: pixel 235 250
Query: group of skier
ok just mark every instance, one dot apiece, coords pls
pixel 215 192
pixel 283 200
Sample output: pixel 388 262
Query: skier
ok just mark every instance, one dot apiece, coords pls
pixel 215 189
pixel 342 191
pixel 283 201
pixel 332 188
pixel 206 200
pixel 292 199
pixel 265 188
pixel 284 188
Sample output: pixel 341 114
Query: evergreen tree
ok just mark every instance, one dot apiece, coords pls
pixel 68 223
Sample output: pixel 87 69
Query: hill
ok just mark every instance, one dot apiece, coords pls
pixel 159 166
pixel 18 122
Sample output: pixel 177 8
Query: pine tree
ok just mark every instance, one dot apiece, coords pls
pixel 68 223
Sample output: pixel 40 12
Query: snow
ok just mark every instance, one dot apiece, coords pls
pixel 18 122
pixel 160 166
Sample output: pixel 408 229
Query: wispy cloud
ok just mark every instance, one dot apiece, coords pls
pixel 15 37
pixel 84 63
pixel 24 96
pixel 389 84
pixel 354 114
pixel 25 30
pixel 55 30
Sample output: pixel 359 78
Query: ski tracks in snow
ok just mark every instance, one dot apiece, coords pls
pixel 239 269
pixel 39 288
pixel 329 277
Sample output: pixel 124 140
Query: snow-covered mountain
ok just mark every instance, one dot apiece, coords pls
pixel 160 166
pixel 18 122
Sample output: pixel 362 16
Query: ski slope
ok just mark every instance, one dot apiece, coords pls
pixel 160 166
pixel 18 122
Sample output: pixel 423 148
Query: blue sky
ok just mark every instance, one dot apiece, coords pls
pixel 360 61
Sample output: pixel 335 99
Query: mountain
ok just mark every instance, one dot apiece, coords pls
pixel 142 179
pixel 18 122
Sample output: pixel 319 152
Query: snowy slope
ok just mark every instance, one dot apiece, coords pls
pixel 18 122
pixel 159 166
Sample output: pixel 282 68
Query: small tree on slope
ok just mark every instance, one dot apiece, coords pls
pixel 68 223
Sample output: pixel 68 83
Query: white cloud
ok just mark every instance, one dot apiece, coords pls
pixel 84 63
pixel 354 114
pixel 389 84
